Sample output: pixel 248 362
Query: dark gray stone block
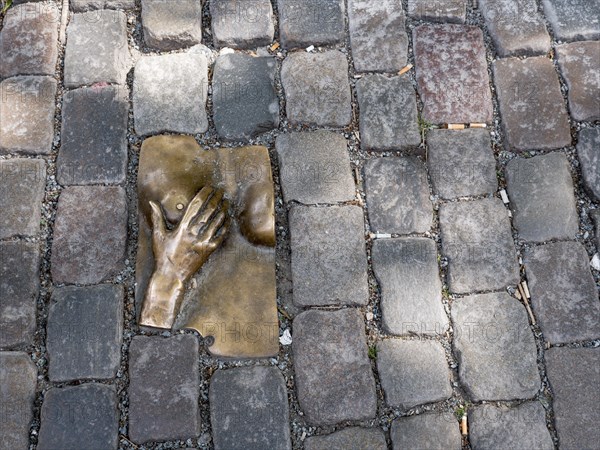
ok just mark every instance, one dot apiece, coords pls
pixel 452 11
pixel 596 217
pixel 354 438
pixel 242 24
pixel 588 151
pixel 426 431
pixel 311 22
pixel 573 19
pixel 172 25
pixel 89 5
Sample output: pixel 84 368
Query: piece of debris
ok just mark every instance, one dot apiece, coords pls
pixel 226 51
pixel 464 429
pixel 286 338
pixel 274 47
pixel 595 262
pixel 526 289
pixel 405 69
pixel 504 196
pixel 455 126
pixel 381 236
pixel 310 48
pixel 369 316
pixel 477 125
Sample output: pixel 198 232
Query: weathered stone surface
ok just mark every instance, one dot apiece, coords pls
pixel 311 22
pixel 19 290
pixel 172 25
pixel 563 293
pixel 377 35
pixel 426 431
pixel 502 428
pixel 242 24
pixel 574 375
pixel 17 392
pixel 249 409
pixel 97 48
pixel 532 118
pixel 94 136
pixel 89 5
pixel 28 41
pixel 477 240
pixel 596 216
pixel 329 261
pixel 315 167
pixel 497 357
pixel 573 19
pixel 90 234
pixel 453 83
pixel 388 113
pixel 333 373
pixel 453 11
pixel 398 195
pixel 516 27
pixel 411 290
pixel 408 381
pixel 85 327
pixel 163 388
pixel 169 94
pixel 27 115
pixel 84 416
pixel 354 438
pixel 22 184
pixel 542 197
pixel 588 151
pixel 580 63
pixel 245 102
pixel 461 163
pixel 316 88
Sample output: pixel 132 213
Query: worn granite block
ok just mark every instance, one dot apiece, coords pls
pixel 454 83
pixel 172 25
pixel 89 5
pixel 22 184
pixel 249 409
pixel 426 431
pixel 29 40
pixel 596 217
pixel 334 379
pixel 563 293
pixel 451 11
pixel 388 113
pixel 27 115
pixel 90 234
pixel 542 197
pixel 497 356
pixel 329 261
pixel 78 417
pixel 315 167
pixel 311 22
pixel 316 88
pixel 18 376
pixel 574 375
pixel 573 20
pixel 377 35
pixel 398 195
pixel 94 136
pixel 588 151
pixel 354 438
pixel 461 163
pixel 242 24
pixel 411 290
pixel 19 290
pixel 408 381
pixel 245 102
pixel 532 118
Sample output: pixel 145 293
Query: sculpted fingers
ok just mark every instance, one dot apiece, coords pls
pixel 195 206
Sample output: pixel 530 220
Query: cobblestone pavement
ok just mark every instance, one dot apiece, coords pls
pixel 440 284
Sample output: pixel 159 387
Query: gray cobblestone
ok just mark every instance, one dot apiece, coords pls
pixel 596 217
pixel 89 5
pixel 453 11
pixel 310 22
pixel 171 25
pixel 573 19
pixel 242 24
pixel 354 438
pixel 588 151
pixel 426 431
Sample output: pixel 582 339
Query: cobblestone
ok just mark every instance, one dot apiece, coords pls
pixel 354 438
pixel 532 118
pixel 427 431
pixel 315 167
pixel 28 41
pixel 316 88
pixel 242 24
pixel 169 94
pixel 19 290
pixel 249 409
pixel 574 375
pixel 477 240
pixel 94 136
pixel 572 19
pixel 27 115
pixel 542 197
pixel 596 217
pixel 453 84
pixel 408 381
pixel 557 272
pixel 497 357
pixel 461 163
pixel 84 416
pixel 377 35
pixel 90 5
pixel 329 263
pixel 398 195
pixel 588 151
pixel 411 290
pixel 501 428
pixel 163 388
pixel 96 49
pixel 245 102
pixel 90 234
pixel 311 22
pixel 170 26
pixel 334 379
pixel 22 183
pixel 388 107
pixel 452 11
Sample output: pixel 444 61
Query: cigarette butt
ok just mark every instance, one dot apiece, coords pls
pixel 405 69
pixel 463 426
pixel 478 125
pixel 504 196
pixel 310 48
pixel 522 292
pixel 275 46
pixel 526 289
pixel 530 312
pixel 518 295
pixel 547 345
pixel 455 126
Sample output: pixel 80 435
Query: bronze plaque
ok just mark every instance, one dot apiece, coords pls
pixel 206 249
